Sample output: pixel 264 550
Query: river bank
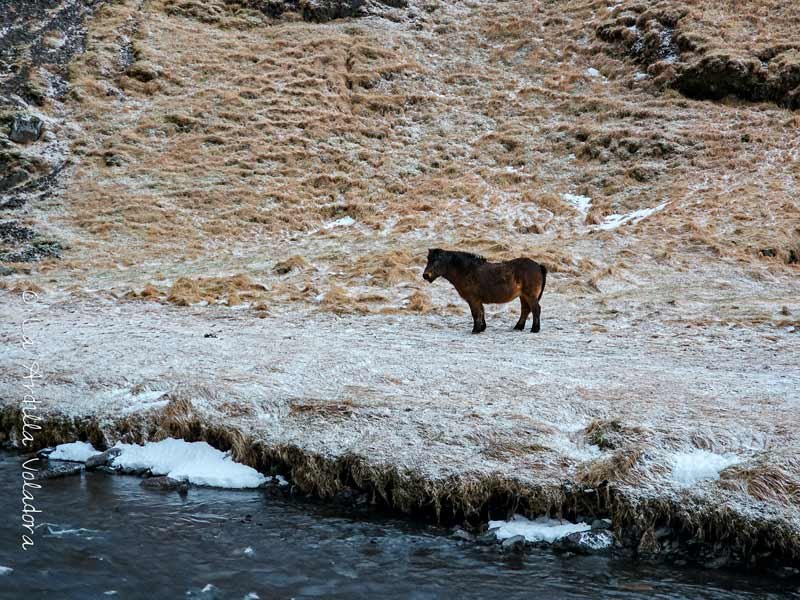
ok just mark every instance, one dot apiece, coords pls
pixel 425 419
pixel 107 536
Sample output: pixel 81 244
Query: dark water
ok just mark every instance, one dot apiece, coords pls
pixel 105 533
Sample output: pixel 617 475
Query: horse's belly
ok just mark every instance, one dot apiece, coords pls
pixel 501 294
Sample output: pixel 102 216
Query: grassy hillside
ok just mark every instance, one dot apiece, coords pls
pixel 316 161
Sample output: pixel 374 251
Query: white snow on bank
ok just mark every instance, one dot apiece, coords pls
pixel 195 462
pixel 5 570
pixel 614 221
pixel 543 529
pixel 582 203
pixel 690 467
pixel 592 72
pixel 76 451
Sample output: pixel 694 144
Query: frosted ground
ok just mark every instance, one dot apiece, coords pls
pixel 421 396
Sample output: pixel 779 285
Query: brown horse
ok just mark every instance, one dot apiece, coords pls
pixel 480 282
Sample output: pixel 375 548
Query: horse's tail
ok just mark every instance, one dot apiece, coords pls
pixel 544 280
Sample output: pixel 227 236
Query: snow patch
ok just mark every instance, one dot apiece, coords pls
pixel 343 222
pixel 75 451
pixel 543 529
pixel 690 467
pixel 194 462
pixel 614 221
pixel 592 72
pixel 5 570
pixel 582 203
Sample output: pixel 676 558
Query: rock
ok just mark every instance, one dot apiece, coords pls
pixel 718 562
pixel 464 536
pixel 5 271
pixel 514 544
pixel 164 484
pixel 102 460
pixel 487 539
pixel 26 129
pixel 599 524
pixel 662 532
pixel 57 469
pixel 135 472
pixel 351 497
pixel 144 71
pixel 586 542
pixel 45 452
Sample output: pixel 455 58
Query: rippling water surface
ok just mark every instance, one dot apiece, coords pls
pixel 102 536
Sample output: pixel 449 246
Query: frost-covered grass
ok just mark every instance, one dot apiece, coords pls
pixel 542 529
pixel 581 203
pixel 573 403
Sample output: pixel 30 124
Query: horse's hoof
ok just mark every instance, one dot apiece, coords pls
pixel 519 327
pixel 535 330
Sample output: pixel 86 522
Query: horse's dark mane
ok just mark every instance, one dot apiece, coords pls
pixel 464 260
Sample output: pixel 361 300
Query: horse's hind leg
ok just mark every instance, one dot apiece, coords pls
pixel 525 311
pixel 537 312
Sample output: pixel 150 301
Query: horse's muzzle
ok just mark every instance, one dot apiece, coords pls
pixel 427 277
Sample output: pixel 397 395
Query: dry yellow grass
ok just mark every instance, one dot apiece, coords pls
pixel 323 159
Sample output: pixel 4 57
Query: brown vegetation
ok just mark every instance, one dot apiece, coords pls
pixel 210 145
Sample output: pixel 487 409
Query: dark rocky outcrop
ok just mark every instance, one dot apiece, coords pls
pixel 165 484
pixel 58 469
pixel 321 11
pixel 26 129
pixel 514 544
pixel 586 542
pixel 726 73
pixel 22 244
pixel 102 460
pixel 663 40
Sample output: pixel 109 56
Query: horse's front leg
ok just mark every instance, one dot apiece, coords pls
pixel 478 318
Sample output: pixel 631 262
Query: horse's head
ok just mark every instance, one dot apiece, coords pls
pixel 435 266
